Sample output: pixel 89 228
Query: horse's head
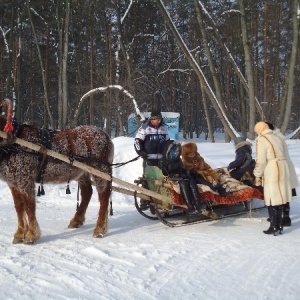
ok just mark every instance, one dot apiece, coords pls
pixel 5 122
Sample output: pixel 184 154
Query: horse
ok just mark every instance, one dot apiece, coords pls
pixel 21 169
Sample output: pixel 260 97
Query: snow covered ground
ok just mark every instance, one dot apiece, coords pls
pixel 144 259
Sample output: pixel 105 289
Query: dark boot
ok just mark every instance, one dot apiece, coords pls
pixel 279 210
pixel 196 195
pixel 223 190
pixel 286 220
pixel 144 205
pixel 186 194
pixel 273 221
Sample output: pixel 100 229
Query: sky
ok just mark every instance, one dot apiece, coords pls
pixel 139 258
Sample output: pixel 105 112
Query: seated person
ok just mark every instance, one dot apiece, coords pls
pixel 171 166
pixel 198 169
pixel 243 159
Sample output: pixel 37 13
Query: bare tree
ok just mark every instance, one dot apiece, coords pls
pixel 63 33
pixel 212 67
pixel 220 40
pixel 249 71
pixel 228 127
pixel 286 101
pixel 46 100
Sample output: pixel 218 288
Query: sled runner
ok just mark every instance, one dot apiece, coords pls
pixel 173 210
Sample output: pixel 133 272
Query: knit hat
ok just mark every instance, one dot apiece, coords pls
pixel 239 140
pixel 155 114
pixel 260 127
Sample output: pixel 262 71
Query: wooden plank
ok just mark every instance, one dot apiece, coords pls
pixel 82 166
pixel 130 193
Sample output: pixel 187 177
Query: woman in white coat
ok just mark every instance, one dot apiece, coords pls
pixel 272 171
pixel 286 220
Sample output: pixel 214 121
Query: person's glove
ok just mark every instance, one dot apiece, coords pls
pixel 143 154
pixel 258 181
pixel 229 167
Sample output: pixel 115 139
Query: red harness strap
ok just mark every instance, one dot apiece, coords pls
pixel 9 128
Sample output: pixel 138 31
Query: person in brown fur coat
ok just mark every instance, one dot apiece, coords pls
pixel 201 171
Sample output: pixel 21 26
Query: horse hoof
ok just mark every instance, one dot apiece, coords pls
pixel 72 226
pixel 28 242
pixel 17 241
pixel 98 235
pixel 75 225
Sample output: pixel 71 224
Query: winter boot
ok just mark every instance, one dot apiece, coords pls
pixel 144 205
pixel 196 195
pixel 223 190
pixel 273 221
pixel 186 193
pixel 286 220
pixel 279 210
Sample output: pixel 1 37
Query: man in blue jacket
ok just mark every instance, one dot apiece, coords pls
pixel 149 143
pixel 150 139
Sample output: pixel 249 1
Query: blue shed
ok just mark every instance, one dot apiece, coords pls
pixel 170 118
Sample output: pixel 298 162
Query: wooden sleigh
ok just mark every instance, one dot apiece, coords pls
pixel 173 210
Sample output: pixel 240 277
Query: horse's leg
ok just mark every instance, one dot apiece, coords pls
pixel 33 233
pixel 104 191
pixel 22 220
pixel 86 192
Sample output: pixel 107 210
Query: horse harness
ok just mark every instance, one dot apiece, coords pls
pixel 9 147
pixel 45 138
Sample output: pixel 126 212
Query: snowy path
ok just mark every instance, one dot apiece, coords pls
pixel 144 259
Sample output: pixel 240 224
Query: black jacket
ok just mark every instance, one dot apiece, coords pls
pixel 243 156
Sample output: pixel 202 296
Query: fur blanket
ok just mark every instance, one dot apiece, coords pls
pixel 239 191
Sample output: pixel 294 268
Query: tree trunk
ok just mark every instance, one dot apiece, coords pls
pixel 286 103
pixel 46 99
pixel 213 71
pixel 63 33
pixel 249 71
pixel 64 66
pixel 207 115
